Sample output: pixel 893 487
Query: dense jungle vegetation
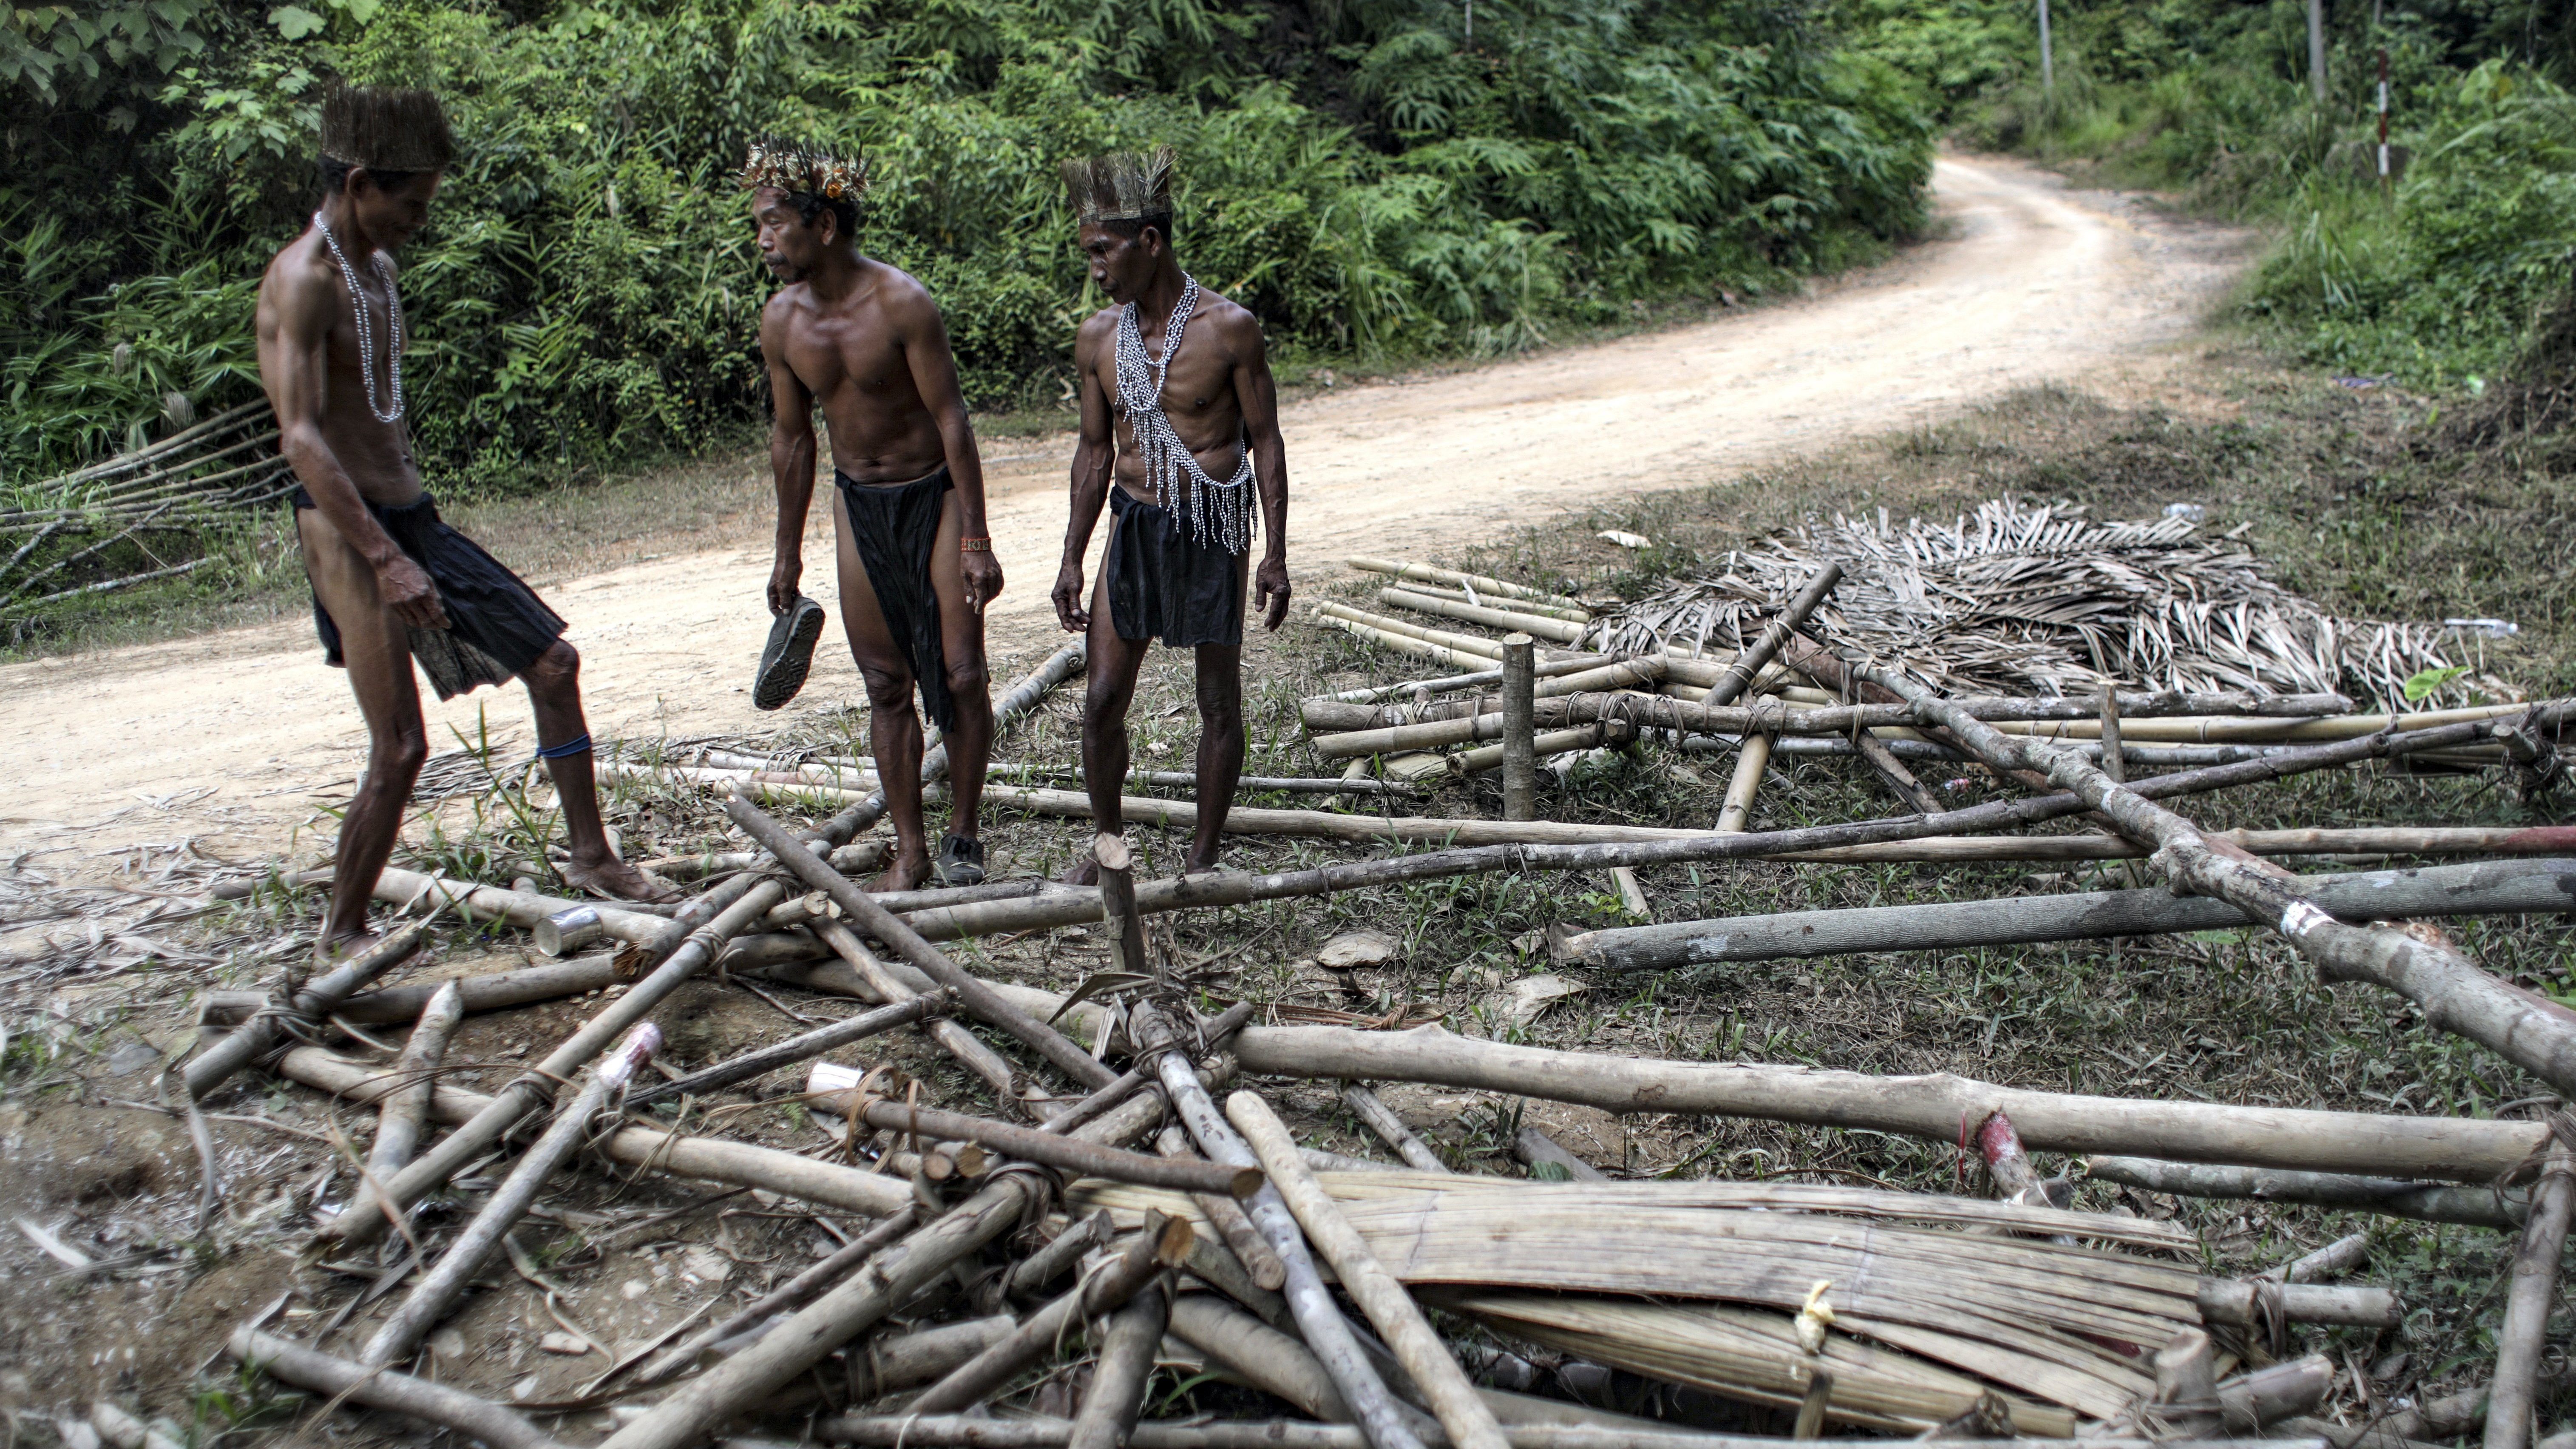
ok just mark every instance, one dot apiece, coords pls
pixel 2437 280
pixel 1375 178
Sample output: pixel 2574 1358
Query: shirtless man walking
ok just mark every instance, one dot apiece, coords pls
pixel 391 583
pixel 1178 406
pixel 916 560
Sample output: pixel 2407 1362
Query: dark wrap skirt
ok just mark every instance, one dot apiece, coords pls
pixel 496 624
pixel 1165 585
pixel 895 527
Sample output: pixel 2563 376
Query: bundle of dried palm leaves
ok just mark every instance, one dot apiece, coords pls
pixel 2019 599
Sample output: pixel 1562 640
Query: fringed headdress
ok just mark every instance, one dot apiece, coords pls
pixel 787 166
pixel 383 128
pixel 1120 186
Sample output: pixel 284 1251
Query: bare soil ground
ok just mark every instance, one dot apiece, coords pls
pixel 220 738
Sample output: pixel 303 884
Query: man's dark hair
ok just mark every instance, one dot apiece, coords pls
pixel 335 175
pixel 811 204
pixel 1134 227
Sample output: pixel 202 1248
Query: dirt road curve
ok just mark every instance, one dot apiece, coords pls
pixel 2035 283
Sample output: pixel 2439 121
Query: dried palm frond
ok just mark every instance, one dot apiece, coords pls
pixel 2019 599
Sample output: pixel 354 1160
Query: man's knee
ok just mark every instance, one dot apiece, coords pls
pixel 1104 705
pixel 1220 701
pixel 558 666
pixel 888 688
pixel 968 680
pixel 399 753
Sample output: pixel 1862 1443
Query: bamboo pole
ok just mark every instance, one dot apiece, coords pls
pixel 440 1288
pixel 311 1001
pixel 1117 872
pixel 1019 700
pixel 1050 1149
pixel 1454 658
pixel 1465 728
pixel 1388 1126
pixel 1539 626
pixel 1425 573
pixel 2522 1026
pixel 748 900
pixel 972 994
pixel 1520 757
pixel 1759 652
pixel 1928 1107
pixel 908 1431
pixel 1232 1224
pixel 1461 648
pixel 760 1062
pixel 1533 1147
pixel 795 1293
pixel 964 1047
pixel 1478 679
pixel 2532 1292
pixel 1568 612
pixel 2046 718
pixel 1319 1319
pixel 2490 888
pixel 1259 1354
pixel 1030 1276
pixel 1546 746
pixel 2478 1207
pixel 2222 729
pixel 1752 758
pixel 1164 1243
pixel 1550 679
pixel 2340 1256
pixel 1118 1379
pixel 398 1122
pixel 379 1388
pixel 1390 1309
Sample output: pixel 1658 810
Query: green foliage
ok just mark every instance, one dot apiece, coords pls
pixel 1361 175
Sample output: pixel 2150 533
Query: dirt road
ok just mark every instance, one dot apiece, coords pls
pixel 222 737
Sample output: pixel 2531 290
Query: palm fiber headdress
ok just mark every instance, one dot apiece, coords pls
pixel 1120 186
pixel 383 128
pixel 790 167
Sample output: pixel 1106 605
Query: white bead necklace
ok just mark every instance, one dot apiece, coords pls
pixel 1219 513
pixel 366 328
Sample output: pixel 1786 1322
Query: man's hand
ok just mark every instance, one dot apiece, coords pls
pixel 983 578
pixel 1270 590
pixel 404 587
pixel 1068 598
pixel 782 582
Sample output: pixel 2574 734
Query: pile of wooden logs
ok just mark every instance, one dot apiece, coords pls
pixel 1129 1195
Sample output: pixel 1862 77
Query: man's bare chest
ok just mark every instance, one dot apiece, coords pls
pixel 1197 387
pixel 830 354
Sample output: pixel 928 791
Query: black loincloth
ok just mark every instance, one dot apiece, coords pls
pixel 496 624
pixel 895 528
pixel 1163 584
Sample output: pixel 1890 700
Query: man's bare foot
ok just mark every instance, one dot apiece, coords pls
pixel 1196 866
pixel 618 881
pixel 332 950
pixel 905 872
pixel 1084 871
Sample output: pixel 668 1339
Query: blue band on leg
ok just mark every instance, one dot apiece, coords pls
pixel 578 745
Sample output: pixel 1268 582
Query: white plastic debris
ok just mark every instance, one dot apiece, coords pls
pixel 1625 539
pixel 2491 628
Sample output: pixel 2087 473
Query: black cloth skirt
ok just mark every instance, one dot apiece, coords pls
pixel 895 527
pixel 496 624
pixel 1165 585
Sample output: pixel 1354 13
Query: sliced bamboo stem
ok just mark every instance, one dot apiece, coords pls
pixel 315 1001
pixel 2532 1291
pixel 125 1431
pixel 398 1122
pixel 1520 757
pixel 378 1388
pixel 1231 1222
pixel 439 1289
pixel 1163 1244
pixel 1116 867
pixel 1390 1309
pixel 2454 993
pixel 2477 1207
pixel 1927 1107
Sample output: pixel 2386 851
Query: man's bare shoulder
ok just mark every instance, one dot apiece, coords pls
pixel 1096 329
pixel 296 290
pixel 783 305
pixel 1231 321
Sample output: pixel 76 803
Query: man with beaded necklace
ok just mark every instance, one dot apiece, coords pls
pixel 391 583
pixel 1180 430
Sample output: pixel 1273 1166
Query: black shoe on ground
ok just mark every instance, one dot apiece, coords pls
pixel 960 862
pixel 789 654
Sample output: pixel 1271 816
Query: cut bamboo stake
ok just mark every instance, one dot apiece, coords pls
pixel 706 1159
pixel 1031 1275
pixel 379 1388
pixel 1929 1107
pixel 398 1123
pixel 1425 573
pixel 795 1293
pixel 1382 1120
pixel 2186 1374
pixel 1163 1244
pixel 313 1002
pixel 2486 888
pixel 1751 760
pixel 2454 993
pixel 681 1421
pixel 2477 1207
pixel 748 899
pixel 1126 932
pixel 1874 752
pixel 1117 1392
pixel 2532 1291
pixel 1520 758
pixel 795 1049
pixel 1759 652
pixel 439 1290
pixel 973 995
pixel 1469 1424
pixel 1021 698
pixel 1319 1319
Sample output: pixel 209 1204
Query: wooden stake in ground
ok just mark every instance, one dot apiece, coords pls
pixel 2532 1291
pixel 1118 906
pixel 480 1239
pixel 315 1001
pixel 1520 759
pixel 398 1123
pixel 1398 1319
pixel 2522 1026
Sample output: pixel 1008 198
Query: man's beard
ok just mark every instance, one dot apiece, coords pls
pixel 785 270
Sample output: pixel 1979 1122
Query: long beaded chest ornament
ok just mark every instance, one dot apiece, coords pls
pixel 366 327
pixel 1218 514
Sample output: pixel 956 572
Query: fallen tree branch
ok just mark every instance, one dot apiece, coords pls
pixel 434 1404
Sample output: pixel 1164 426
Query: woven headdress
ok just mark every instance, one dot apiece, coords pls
pixel 1120 186
pixel 385 129
pixel 787 166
